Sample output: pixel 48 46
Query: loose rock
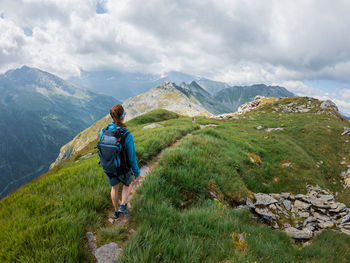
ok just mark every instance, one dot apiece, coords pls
pixel 152 126
pixel 108 253
pixel 298 234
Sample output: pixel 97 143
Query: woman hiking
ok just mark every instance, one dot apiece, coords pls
pixel 119 167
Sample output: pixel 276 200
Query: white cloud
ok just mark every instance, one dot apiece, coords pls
pixel 241 42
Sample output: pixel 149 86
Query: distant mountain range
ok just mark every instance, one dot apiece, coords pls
pixel 192 99
pixel 185 99
pixel 39 112
pixel 123 85
pixel 233 97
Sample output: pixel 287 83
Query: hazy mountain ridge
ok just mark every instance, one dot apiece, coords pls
pixel 40 112
pixel 185 99
pixel 235 96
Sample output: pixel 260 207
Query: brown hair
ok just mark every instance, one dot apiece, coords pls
pixel 116 112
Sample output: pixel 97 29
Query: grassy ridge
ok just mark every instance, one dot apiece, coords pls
pixel 46 221
pixel 175 216
pixel 178 221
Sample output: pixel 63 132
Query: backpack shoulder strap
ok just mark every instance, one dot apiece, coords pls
pixel 124 134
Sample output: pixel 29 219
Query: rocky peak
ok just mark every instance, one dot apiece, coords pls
pixel 166 85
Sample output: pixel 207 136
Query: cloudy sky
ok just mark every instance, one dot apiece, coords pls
pixel 303 45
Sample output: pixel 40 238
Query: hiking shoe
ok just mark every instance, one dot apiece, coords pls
pixel 115 214
pixel 123 209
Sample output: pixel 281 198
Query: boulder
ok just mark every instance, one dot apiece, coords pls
pixel 264 199
pixel 108 253
pixel 327 224
pixel 266 214
pixel 298 234
pixel 328 104
pixel 152 126
pixel 274 129
pixel 337 207
pixel 301 205
pixel 91 241
pixel 346 131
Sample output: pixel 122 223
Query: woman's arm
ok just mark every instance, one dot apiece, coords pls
pixel 130 151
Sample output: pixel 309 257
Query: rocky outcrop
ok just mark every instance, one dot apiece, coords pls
pixel 346 131
pixel 309 105
pixel 345 175
pixel 256 103
pixel 301 216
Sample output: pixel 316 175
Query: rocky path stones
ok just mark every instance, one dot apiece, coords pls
pixel 302 216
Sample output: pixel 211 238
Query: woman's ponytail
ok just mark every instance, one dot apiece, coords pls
pixel 116 112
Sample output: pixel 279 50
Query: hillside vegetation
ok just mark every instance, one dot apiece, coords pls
pixel 39 112
pixel 175 217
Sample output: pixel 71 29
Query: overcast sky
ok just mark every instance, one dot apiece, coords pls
pixel 303 45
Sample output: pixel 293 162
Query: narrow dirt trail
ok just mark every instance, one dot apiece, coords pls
pixel 112 250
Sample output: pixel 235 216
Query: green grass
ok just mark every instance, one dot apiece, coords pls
pixel 46 220
pixel 177 220
pixel 175 216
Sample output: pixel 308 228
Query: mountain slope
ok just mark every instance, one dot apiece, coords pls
pixel 185 99
pixel 233 97
pixel 188 100
pixel 39 112
pixel 185 210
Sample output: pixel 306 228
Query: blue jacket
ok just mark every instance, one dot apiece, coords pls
pixel 130 148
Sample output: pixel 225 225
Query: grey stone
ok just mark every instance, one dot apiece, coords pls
pixel 328 104
pixel 285 225
pixel 266 213
pixel 250 203
pixel 346 226
pixel 319 202
pixel 107 253
pixel 86 156
pixel 152 126
pixel 310 226
pixel 285 195
pixel 91 241
pixel 276 196
pixel 346 131
pixel 304 214
pixel 264 199
pixel 309 220
pixel 259 127
pixel 327 224
pixel 272 207
pixel 302 197
pixel 298 234
pixel 345 219
pixel 345 231
pixel 340 207
pixel 320 217
pixel 301 205
pixel 274 129
pixel 326 198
